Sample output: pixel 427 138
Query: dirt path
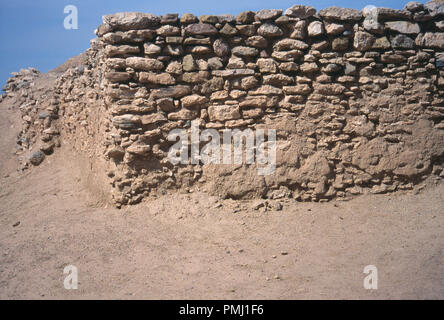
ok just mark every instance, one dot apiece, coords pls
pixel 191 246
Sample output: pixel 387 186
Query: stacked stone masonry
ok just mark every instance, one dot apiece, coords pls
pixel 356 98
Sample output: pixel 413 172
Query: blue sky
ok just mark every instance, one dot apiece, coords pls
pixel 32 32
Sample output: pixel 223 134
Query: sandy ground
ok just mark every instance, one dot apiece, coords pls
pixel 192 246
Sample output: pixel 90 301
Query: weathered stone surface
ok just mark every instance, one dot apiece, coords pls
pixel 300 11
pixel 211 19
pixel 431 40
pixel 247 30
pixel 402 41
pixel 235 63
pixel 260 101
pixel 174 67
pixel 249 83
pixel 309 67
pixel 188 18
pixel 245 17
pixel 188 63
pixel 215 63
pixel 131 20
pixel 289 67
pixel 195 77
pixel 153 118
pixel 200 29
pixel 363 41
pixel 112 51
pixel 157 78
pixel 126 121
pixel 269 30
pixel 381 43
pixel 290 44
pixel 118 76
pixel 329 89
pixel 268 14
pixel 334 28
pixel 145 64
pixel 223 113
pixel 393 58
pixel 232 73
pixel 266 90
pixel 316 28
pixel 341 14
pixel 151 49
pixel 340 44
pixel 36 158
pixel 257 42
pixel 169 18
pixel 300 89
pixel 403 27
pixel 277 79
pixel 435 7
pixel 173 50
pixel 226 18
pixel 193 101
pixel 168 30
pixel 221 48
pixel 413 6
pixel 386 14
pixel 299 30
pixel 166 104
pixel 171 92
pixel 183 114
pixel 245 51
pixel 228 30
pixel 267 65
pixel 287 56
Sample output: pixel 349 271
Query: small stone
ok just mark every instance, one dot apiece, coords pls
pixel 245 17
pixel 269 30
pixel 151 49
pixel 257 41
pixel 404 27
pixel 299 30
pixel 193 101
pixel 402 42
pixel 381 43
pixel 221 48
pixel 316 28
pixel 188 63
pixel 245 51
pixel 169 18
pixel 300 11
pixel 334 28
pixel 289 44
pixel 340 44
pixel 36 157
pixel 267 65
pixel 215 63
pixel 363 41
pixel 145 64
pixel 341 14
pixel 188 18
pixel 268 14
pixel 223 112
pixel 201 29
pixel 228 30
pixel 211 19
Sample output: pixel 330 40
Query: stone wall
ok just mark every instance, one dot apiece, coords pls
pixel 356 98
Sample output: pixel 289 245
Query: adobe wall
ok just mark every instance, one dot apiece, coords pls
pixel 356 99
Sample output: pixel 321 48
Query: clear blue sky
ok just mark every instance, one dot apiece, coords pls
pixel 32 32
